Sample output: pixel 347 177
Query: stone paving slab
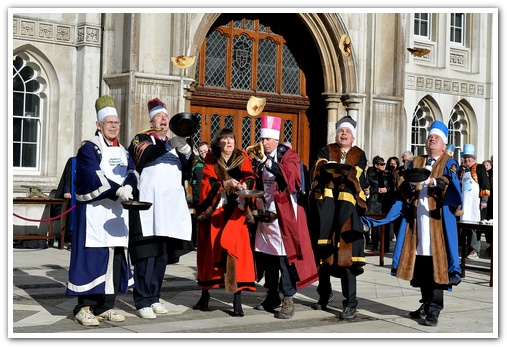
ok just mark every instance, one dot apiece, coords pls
pixel 39 307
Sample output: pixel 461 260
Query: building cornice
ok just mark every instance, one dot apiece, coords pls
pixel 55 32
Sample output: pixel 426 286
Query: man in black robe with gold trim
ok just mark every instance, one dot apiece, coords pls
pixel 337 202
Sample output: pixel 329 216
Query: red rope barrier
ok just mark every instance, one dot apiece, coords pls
pixel 45 220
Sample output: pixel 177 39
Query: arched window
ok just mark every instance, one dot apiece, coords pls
pixel 420 126
pixel 457 129
pixel 27 115
pixel 255 50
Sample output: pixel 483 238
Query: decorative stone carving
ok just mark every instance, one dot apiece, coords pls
pixel 429 83
pixel 447 85
pixel 420 82
pixel 457 59
pixel 88 35
pixel 410 81
pixel 62 33
pixel 464 88
pixel 435 84
pixel 92 35
pixel 45 31
pixel 27 28
pixel 455 87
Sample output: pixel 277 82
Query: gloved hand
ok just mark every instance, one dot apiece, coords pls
pixel 125 193
pixel 427 182
pixel 181 145
pixel 185 150
pixel 178 141
pixel 261 161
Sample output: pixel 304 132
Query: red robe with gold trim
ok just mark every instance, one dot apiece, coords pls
pixel 224 254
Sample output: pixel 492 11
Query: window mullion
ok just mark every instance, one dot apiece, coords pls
pixel 255 57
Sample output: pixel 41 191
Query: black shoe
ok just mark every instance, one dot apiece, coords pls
pixel 237 308
pixel 321 304
pixel 419 313
pixel 202 304
pixel 238 313
pixel 270 303
pixel 348 313
pixel 431 319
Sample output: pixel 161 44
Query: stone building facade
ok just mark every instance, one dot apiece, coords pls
pixel 64 61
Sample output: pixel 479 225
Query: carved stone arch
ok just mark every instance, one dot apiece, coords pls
pixel 339 72
pixel 434 109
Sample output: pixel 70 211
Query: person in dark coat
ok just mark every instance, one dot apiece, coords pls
pixel 157 233
pixel 67 190
pixel 195 182
pixel 337 202
pixel 380 197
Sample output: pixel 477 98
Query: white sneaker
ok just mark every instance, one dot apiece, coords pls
pixel 159 308
pixel 473 255
pixel 112 316
pixel 146 313
pixel 86 317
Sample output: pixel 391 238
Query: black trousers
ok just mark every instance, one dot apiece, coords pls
pixel 148 276
pixel 100 303
pixel 348 283
pixel 277 274
pixel 432 294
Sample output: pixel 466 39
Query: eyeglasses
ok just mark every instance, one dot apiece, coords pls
pixel 110 124
pixel 382 164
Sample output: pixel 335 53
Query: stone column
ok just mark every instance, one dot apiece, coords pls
pixel 333 101
pixel 352 106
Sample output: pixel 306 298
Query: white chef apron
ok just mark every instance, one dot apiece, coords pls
pixel 160 184
pixel 268 238
pixel 423 221
pixel 106 220
pixel 471 201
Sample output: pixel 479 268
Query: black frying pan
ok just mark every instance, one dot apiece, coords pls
pixel 184 124
pixel 136 205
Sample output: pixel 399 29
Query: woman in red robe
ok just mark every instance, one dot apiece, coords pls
pixel 224 254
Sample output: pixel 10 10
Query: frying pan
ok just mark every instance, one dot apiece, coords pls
pixel 184 124
pixel 337 168
pixel 136 205
pixel 250 193
pixel 416 175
